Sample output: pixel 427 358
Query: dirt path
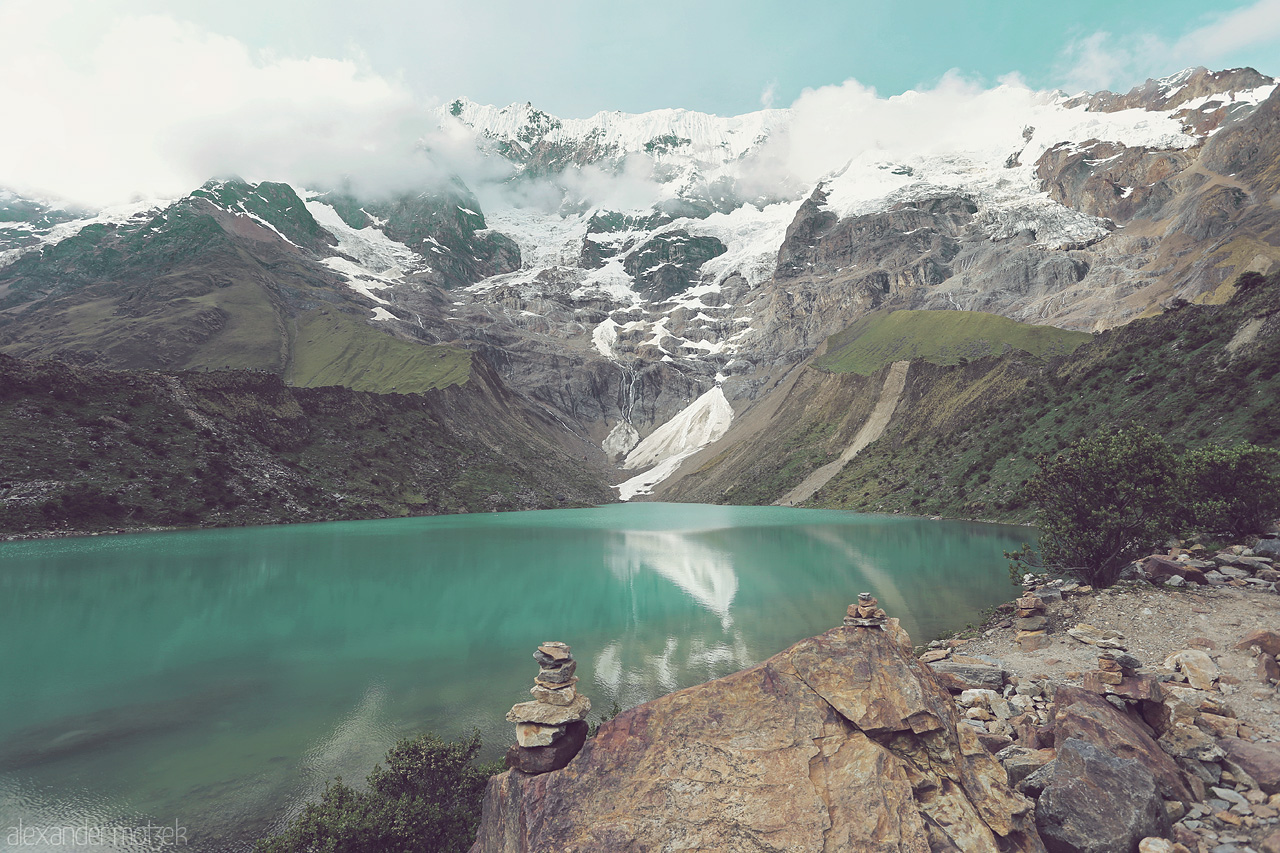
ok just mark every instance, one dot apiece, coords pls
pixel 890 397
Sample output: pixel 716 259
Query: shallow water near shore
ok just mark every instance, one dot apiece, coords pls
pixel 210 681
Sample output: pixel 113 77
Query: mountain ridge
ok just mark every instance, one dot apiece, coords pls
pixel 618 269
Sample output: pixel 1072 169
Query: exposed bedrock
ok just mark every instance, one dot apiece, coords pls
pixel 1110 180
pixel 594 392
pixel 841 742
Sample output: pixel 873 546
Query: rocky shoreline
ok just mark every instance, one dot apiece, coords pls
pixel 1137 718
pixel 1167 678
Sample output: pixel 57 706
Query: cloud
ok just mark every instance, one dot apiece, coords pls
pixel 834 125
pixel 1096 62
pixel 1252 25
pixel 769 95
pixel 150 106
pixel 1101 60
pixel 114 105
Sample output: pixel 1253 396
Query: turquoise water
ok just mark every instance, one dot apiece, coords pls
pixel 214 679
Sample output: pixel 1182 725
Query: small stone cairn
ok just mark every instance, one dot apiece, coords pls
pixel 865 613
pixel 551 729
pixel 1117 675
pixel 1115 667
pixel 1030 622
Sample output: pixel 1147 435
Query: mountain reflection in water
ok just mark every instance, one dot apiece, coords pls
pixel 219 678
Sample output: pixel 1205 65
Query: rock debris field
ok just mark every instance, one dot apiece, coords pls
pixel 1172 672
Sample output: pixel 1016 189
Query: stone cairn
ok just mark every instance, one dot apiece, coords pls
pixel 1031 624
pixel 1115 667
pixel 1117 677
pixel 865 613
pixel 551 729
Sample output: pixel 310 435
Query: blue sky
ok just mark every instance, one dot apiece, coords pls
pixel 115 99
pixel 575 58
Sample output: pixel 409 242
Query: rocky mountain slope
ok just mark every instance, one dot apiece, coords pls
pixel 966 433
pixel 656 283
pixel 86 449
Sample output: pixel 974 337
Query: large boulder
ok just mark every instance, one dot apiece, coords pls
pixel 1087 716
pixel 958 676
pixel 1260 761
pixel 844 741
pixel 1267 548
pixel 1197 666
pixel 1094 802
pixel 1267 641
pixel 1159 569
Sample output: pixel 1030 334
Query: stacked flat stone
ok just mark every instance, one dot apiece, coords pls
pixel 1114 667
pixel 865 613
pixel 1031 623
pixel 551 729
pixel 1117 676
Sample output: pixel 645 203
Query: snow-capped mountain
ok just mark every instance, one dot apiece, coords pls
pixel 648 279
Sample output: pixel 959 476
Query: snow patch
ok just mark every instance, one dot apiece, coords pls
pixel 359 279
pixel 620 440
pixel 381 313
pixel 751 236
pixel 703 421
pixel 264 223
pixel 612 281
pixel 605 336
pixel 545 239
pixel 1252 97
pixel 376 261
pixel 134 213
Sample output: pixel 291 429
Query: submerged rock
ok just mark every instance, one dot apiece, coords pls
pixel 844 741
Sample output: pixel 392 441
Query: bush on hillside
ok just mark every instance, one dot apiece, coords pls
pixel 426 800
pixel 1250 280
pixel 1232 490
pixel 1104 500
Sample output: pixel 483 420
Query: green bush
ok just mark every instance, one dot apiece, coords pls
pixel 1233 490
pixel 1107 498
pixel 1104 500
pixel 426 800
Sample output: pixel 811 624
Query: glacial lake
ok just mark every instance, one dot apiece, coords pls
pixel 213 680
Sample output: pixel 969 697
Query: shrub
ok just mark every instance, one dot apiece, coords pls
pixel 1232 490
pixel 427 799
pixel 1250 280
pixel 84 504
pixel 1103 500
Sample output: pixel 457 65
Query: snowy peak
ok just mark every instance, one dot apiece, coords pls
pixel 1231 85
pixel 529 136
pixel 271 204
pixel 1203 99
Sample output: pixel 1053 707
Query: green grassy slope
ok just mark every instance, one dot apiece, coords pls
pixel 966 436
pixel 939 337
pixel 336 349
pixel 971 434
